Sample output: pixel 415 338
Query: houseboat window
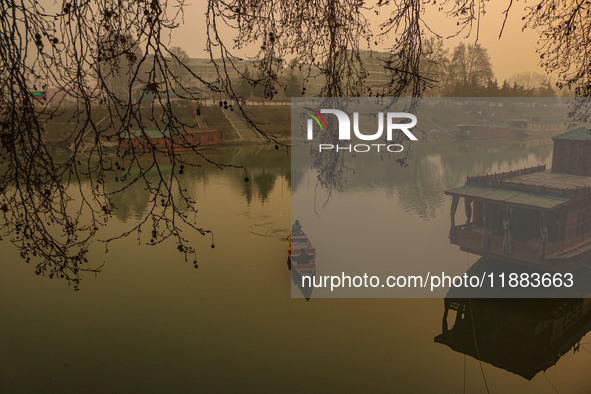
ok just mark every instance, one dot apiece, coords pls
pixel 210 137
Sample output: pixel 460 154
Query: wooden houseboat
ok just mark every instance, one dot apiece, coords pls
pixel 532 216
pixel 189 139
pixel 538 126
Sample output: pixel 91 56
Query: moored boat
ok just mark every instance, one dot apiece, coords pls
pixel 483 131
pixel 302 257
pixel 532 216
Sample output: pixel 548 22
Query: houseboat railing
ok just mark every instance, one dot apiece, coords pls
pixel 505 178
pixel 496 179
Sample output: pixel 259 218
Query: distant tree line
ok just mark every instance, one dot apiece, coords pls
pixel 467 72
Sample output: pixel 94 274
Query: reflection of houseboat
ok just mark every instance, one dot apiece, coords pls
pixel 190 139
pixel 533 215
pixel 522 336
pixel 483 131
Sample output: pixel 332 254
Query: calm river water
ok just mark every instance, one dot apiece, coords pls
pixel 149 322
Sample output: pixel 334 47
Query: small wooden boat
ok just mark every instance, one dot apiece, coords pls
pixel 301 253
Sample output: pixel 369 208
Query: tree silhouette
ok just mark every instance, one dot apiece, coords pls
pixel 84 75
pixel 88 67
pixel 293 85
pixel 469 68
pixel 178 68
pixel 564 28
pixel 245 88
pixel 565 41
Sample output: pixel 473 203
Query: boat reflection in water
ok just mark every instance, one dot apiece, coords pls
pixel 301 260
pixel 523 336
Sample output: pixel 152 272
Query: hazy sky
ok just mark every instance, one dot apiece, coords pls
pixel 514 52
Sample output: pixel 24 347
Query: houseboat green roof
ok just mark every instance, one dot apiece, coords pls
pixel 580 134
pixel 509 196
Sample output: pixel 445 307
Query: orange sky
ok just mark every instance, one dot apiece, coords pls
pixel 514 52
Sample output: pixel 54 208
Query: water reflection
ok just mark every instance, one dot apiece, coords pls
pixel 387 210
pixel 257 172
pixel 335 171
pixel 522 336
pixel 264 181
pixel 434 165
pixel 262 166
pixel 148 311
pixel 417 188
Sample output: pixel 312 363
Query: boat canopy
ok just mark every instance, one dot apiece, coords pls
pixel 509 196
pixel 579 134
